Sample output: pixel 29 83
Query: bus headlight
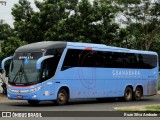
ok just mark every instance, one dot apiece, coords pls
pixel 25 91
pixel 35 89
pixel 12 90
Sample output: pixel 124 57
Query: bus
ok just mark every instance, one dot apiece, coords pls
pixel 61 71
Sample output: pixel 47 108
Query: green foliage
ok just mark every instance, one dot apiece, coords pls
pixel 154 107
pixel 142 23
pixel 66 20
pixel 5 31
pixel 23 25
pixel 82 21
pixel 52 18
pixel 8 48
pixel 10 45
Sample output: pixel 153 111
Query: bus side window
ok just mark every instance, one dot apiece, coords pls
pixel 48 69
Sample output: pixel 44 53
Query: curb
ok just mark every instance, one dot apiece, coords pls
pixel 158 92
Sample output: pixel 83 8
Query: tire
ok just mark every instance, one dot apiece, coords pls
pixel 62 97
pixel 128 94
pixel 33 102
pixel 138 94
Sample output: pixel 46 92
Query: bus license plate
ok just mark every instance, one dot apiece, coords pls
pixel 19 96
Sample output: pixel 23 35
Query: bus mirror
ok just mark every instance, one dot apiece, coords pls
pixel 41 59
pixel 4 61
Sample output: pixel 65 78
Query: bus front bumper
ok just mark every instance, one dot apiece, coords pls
pixel 36 95
pixel 25 96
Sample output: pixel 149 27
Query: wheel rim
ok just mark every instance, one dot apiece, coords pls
pixel 61 97
pixel 128 95
pixel 137 94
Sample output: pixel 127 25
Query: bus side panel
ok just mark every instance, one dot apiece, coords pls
pixel 102 82
pixel 92 82
pixel 116 80
pixel 70 77
pixel 112 86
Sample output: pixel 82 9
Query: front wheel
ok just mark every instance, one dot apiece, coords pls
pixel 33 102
pixel 128 94
pixel 62 97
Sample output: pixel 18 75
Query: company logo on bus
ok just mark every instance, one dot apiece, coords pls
pixel 25 57
pixel 125 72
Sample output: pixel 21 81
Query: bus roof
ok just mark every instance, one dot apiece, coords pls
pixel 39 46
pixel 105 47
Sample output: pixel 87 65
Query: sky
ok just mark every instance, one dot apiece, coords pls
pixel 5 11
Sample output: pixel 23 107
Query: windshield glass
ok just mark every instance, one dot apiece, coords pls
pixel 23 69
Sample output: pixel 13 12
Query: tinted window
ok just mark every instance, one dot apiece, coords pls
pixel 107 59
pixel 79 58
pixel 126 60
pixel 57 51
pixel 148 61
pixel 86 58
pixel 48 69
pixel 49 66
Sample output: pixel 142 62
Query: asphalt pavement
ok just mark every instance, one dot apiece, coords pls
pixel 78 105
pixel 75 105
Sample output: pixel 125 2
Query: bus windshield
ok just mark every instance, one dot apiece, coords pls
pixel 23 69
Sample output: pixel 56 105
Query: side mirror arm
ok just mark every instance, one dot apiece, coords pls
pixel 41 59
pixel 4 61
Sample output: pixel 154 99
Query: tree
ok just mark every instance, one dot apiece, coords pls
pixel 5 31
pixel 22 13
pixel 142 22
pixel 10 45
pixel 92 23
pixel 8 48
pixel 67 20
pixel 52 18
pixel 70 20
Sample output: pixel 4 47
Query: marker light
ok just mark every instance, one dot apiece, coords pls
pixel 34 96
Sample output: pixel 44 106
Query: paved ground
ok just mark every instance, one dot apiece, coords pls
pixel 4 99
pixel 80 105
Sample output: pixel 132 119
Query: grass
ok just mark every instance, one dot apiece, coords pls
pixel 154 107
pixel 159 84
pixel 140 108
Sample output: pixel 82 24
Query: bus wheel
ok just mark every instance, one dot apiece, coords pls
pixel 62 97
pixel 138 94
pixel 33 102
pixel 128 94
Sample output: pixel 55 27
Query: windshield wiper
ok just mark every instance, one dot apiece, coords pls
pixel 20 74
pixel 25 76
pixel 16 76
